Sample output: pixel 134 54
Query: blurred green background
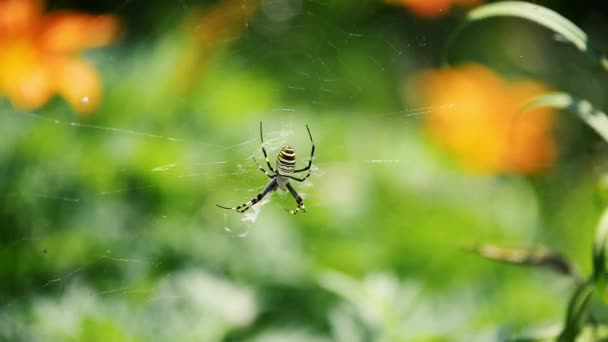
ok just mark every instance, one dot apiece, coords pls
pixel 109 226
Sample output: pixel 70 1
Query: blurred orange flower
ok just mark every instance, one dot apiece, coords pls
pixel 210 30
pixel 39 54
pixel 432 8
pixel 477 116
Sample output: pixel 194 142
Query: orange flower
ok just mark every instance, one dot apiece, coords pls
pixel 39 54
pixel 432 8
pixel 477 116
pixel 210 30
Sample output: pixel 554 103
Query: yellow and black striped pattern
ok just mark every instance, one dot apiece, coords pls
pixel 286 161
pixel 279 179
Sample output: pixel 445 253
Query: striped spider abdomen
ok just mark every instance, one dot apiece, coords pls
pixel 286 161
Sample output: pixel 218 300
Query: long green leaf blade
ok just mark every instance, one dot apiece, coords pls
pixel 593 117
pixel 537 14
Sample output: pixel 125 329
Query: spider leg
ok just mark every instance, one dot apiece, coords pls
pixel 307 168
pixel 298 199
pixel 261 168
pixel 296 178
pixel 270 187
pixel 264 150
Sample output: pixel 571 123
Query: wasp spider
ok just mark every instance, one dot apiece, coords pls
pixel 279 178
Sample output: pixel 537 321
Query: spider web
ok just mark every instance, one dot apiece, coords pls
pixel 180 263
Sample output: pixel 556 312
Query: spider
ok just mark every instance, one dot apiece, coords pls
pixel 279 178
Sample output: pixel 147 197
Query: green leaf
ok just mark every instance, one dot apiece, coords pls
pixel 599 256
pixel 540 15
pixel 577 313
pixel 595 118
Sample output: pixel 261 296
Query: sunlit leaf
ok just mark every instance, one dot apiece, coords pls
pixel 582 108
pixel 543 16
pixel 538 14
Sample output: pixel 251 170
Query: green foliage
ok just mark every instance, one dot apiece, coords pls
pixel 109 230
pixel 580 313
